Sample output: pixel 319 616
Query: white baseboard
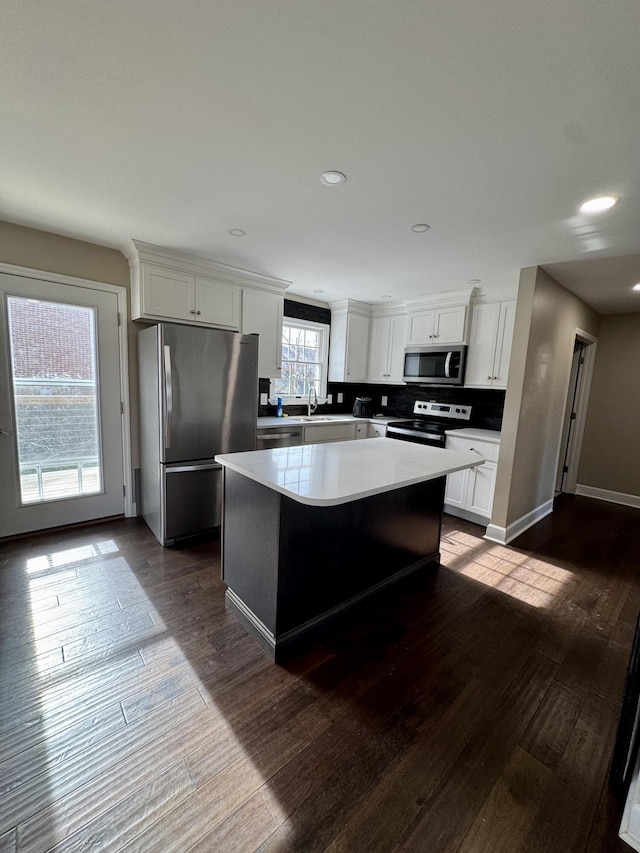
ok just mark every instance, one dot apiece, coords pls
pixel 504 535
pixel 606 495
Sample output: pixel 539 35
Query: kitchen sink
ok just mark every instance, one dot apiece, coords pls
pixel 313 419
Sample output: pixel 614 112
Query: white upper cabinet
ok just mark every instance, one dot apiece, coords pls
pixel 387 340
pixel 164 293
pixel 437 326
pixel 262 315
pixel 177 286
pixel 168 294
pixel 349 342
pixel 217 303
pixel 490 344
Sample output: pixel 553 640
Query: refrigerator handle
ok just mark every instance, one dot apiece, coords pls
pixel 168 396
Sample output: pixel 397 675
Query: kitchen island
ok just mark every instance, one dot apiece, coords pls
pixel 310 531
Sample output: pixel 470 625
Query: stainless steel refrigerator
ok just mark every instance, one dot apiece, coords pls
pixel 198 393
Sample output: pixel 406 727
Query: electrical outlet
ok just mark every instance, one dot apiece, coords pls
pixel 383 401
pixel 329 399
pixel 264 399
pixel 340 397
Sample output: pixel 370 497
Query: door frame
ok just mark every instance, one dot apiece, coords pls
pixel 121 295
pixel 581 405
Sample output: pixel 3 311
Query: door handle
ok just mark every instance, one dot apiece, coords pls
pixel 168 396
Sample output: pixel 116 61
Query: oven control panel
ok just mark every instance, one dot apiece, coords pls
pixel 442 410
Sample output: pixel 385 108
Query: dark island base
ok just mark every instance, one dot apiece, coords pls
pixel 292 569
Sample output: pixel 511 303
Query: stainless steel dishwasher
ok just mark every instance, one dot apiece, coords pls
pixel 285 436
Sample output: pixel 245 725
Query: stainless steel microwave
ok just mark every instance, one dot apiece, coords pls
pixel 439 365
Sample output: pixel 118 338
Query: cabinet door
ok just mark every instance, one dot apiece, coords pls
pixel 262 315
pixel 481 487
pixel 357 348
pixel 379 349
pixel 167 294
pixel 448 325
pixel 503 344
pixel 421 327
pixel 397 343
pixel 456 489
pixel 482 345
pixel 317 433
pixel 377 430
pixel 218 303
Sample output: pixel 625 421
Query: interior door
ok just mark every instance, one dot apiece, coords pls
pixel 61 453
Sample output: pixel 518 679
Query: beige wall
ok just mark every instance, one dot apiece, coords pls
pixel 41 250
pixel 547 317
pixel 611 448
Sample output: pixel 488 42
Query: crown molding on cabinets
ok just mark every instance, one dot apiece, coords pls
pixel 137 252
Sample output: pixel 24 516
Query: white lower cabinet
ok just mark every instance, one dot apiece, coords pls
pixel 469 493
pixel 377 430
pixel 317 433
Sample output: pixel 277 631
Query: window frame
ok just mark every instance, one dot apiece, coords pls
pixel 321 390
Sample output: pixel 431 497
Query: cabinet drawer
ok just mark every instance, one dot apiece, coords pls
pixel 488 449
pixel 329 432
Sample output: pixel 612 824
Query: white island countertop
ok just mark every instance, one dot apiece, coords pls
pixel 338 472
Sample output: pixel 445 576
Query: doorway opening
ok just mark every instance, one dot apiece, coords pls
pixel 584 352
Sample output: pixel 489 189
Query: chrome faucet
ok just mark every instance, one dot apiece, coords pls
pixel 311 407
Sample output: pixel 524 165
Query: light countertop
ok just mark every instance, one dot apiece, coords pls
pixel 297 420
pixel 338 472
pixel 475 434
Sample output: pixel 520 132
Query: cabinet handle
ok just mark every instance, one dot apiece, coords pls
pixel 494 377
pixel 489 378
pixel 193 311
pixel 198 312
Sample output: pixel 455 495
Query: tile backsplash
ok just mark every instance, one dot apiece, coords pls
pixel 487 404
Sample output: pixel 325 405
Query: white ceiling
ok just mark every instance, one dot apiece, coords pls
pixel 172 122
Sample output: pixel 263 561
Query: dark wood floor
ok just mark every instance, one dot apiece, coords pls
pixel 474 709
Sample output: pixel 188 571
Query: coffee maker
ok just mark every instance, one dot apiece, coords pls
pixel 362 407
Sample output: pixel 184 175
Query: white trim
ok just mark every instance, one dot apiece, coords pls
pixel 504 535
pixel 630 823
pixel 300 400
pixel 121 295
pixel 606 495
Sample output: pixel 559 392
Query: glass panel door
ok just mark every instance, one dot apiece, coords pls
pixel 61 439
pixel 55 396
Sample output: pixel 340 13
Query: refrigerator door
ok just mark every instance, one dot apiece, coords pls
pixel 209 392
pixel 192 500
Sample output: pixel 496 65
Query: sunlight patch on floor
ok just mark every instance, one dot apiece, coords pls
pixel 133 642
pixel 514 573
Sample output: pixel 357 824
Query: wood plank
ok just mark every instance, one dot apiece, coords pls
pixel 123 822
pixel 447 816
pixel 566 815
pixel 502 824
pixel 245 829
pixel 552 725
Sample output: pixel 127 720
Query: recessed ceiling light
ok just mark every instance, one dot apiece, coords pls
pixel 599 203
pixel 385 296
pixel 636 286
pixel 474 281
pixel 236 232
pixel 332 179
pixel 318 291
pixel 420 228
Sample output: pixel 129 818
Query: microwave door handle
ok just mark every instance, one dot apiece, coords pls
pixel 168 397
pixel 447 365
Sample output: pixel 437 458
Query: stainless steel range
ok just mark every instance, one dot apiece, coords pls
pixel 430 423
